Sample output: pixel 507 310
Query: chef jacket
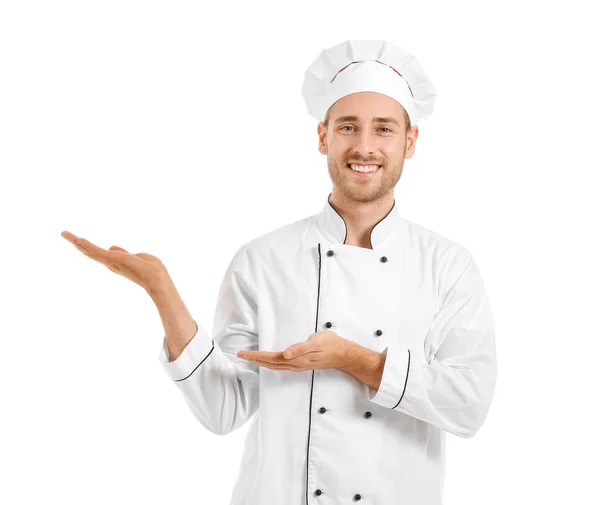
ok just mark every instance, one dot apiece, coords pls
pixel 322 436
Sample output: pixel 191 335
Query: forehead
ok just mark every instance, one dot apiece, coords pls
pixel 366 106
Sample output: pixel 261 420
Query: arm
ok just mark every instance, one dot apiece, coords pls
pixel 364 364
pixel 176 319
pixel 220 388
pixel 449 382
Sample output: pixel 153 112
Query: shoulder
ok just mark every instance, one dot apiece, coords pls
pixel 261 253
pixel 446 258
pixel 280 238
pixel 441 246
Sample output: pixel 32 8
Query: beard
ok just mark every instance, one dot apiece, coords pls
pixel 367 190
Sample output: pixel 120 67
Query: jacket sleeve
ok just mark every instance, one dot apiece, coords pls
pixel 220 388
pixel 449 382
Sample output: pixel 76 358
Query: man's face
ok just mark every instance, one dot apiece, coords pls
pixel 365 140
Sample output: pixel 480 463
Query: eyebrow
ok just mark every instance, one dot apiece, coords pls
pixel 342 119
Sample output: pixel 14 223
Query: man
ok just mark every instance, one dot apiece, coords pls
pixel 354 339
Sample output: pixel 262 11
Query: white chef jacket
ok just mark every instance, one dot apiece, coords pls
pixel 322 436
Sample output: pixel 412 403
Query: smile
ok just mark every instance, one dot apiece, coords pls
pixel 363 170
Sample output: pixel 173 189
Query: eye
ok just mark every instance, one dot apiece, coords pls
pixel 382 128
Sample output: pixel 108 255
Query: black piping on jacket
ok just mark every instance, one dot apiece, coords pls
pixel 210 352
pixel 405 381
pixel 346 226
pixel 312 381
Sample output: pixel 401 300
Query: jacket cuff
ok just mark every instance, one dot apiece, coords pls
pixel 395 375
pixel 195 352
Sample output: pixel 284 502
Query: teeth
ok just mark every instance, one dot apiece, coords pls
pixel 364 168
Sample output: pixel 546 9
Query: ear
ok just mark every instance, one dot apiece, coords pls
pixel 411 141
pixel 322 135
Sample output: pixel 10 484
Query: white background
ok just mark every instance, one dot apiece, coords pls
pixel 179 130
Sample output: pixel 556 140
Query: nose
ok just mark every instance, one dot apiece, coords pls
pixel 366 143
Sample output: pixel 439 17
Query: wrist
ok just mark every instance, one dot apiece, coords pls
pixel 364 364
pixel 350 355
pixel 161 288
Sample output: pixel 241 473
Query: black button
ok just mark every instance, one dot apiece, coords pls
pixel 357 497
pixel 368 414
pixel 322 410
pixel 318 492
pixel 378 333
pixel 383 259
pixel 328 324
pixel 330 253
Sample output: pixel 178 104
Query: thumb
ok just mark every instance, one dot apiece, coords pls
pixel 289 353
pixel 294 350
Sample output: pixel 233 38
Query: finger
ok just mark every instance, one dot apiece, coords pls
pixel 92 248
pixel 277 366
pixel 69 236
pixel 271 357
pixel 292 352
pixel 111 259
pixel 79 244
pixel 85 251
pixel 295 350
pixel 276 362
pixel 92 256
pixel 117 248
pixel 86 247
pixel 146 256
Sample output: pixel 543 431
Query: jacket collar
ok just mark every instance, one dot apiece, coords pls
pixel 334 226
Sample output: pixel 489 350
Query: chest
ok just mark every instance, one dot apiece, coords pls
pixel 369 296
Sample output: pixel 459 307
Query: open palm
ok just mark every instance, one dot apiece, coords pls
pixel 142 268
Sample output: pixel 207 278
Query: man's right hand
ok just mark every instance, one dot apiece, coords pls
pixel 150 273
pixel 142 268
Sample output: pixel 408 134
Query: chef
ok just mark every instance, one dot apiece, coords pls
pixel 353 340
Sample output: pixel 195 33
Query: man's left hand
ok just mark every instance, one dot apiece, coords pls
pixel 324 349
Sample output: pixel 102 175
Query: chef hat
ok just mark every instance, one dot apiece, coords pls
pixel 368 65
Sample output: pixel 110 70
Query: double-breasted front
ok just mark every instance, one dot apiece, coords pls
pixel 322 436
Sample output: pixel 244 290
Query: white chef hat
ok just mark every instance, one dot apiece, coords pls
pixel 368 65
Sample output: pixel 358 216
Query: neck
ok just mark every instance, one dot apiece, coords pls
pixel 360 217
